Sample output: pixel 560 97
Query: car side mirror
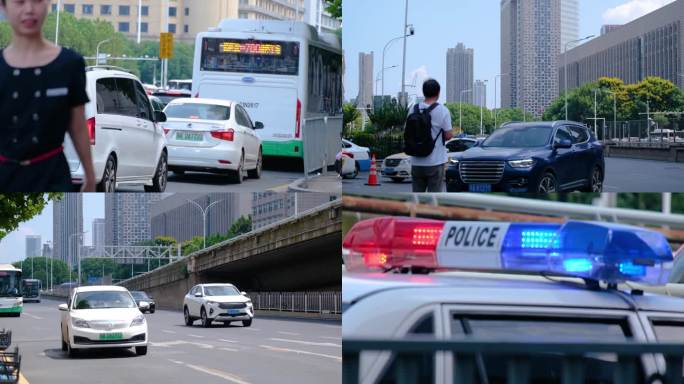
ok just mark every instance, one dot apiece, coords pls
pixel 258 125
pixel 159 117
pixel 63 307
pixel 243 293
pixel 143 305
pixel 565 143
pixel 198 294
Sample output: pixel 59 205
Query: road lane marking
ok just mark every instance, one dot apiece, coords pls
pixel 229 349
pixel 167 331
pixel 276 349
pixel 22 379
pixel 289 333
pixel 307 342
pixel 228 341
pixel 252 329
pixel 198 336
pixel 167 344
pixel 330 337
pixel 32 316
pixel 214 372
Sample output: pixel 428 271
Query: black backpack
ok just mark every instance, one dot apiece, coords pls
pixel 418 141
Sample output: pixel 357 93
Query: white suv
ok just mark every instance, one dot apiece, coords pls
pixel 217 302
pixel 127 144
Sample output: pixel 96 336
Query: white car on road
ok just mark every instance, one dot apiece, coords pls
pixel 103 317
pixel 397 167
pixel 127 144
pixel 360 154
pixel 209 135
pixel 217 302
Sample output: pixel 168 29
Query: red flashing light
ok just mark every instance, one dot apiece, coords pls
pixel 90 123
pixel 383 243
pixel 223 135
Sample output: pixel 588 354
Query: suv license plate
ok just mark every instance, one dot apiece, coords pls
pixel 483 188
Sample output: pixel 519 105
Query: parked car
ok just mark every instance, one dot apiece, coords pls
pixel 127 144
pixel 539 157
pixel 103 317
pixel 209 135
pixel 362 155
pixel 217 302
pixel 397 167
pixel 459 145
pixel 348 168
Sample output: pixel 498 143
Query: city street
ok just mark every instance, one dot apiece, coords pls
pixel 272 350
pixel 622 175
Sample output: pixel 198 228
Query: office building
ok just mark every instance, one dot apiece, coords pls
pixel 187 18
pixel 480 93
pixel 652 45
pixel 47 249
pixel 177 217
pixel 459 76
pixel 570 14
pixel 67 217
pixel 365 97
pixel 530 44
pixel 607 28
pixel 33 246
pixel 127 217
pixel 271 207
pixel 98 234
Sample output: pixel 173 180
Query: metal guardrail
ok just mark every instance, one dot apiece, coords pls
pixel 636 133
pixel 306 302
pixel 543 207
pixel 517 357
pixel 322 137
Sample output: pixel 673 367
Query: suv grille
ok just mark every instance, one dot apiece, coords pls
pixel 392 162
pixel 232 305
pixel 484 172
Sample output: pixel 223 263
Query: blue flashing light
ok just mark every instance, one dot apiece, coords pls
pixel 599 251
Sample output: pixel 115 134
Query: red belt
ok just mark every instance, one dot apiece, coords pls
pixel 33 160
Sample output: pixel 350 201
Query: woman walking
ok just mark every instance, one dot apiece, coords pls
pixel 42 96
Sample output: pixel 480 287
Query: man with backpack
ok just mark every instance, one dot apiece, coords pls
pixel 428 127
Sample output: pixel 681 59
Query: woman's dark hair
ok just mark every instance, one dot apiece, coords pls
pixel 430 88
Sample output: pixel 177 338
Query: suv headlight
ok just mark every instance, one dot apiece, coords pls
pixel 249 303
pixel 526 163
pixel 405 162
pixel 138 320
pixel 79 323
pixel 453 161
pixel 212 302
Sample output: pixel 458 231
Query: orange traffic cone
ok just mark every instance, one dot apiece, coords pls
pixel 373 176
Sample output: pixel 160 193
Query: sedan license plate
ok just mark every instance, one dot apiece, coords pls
pixel 234 311
pixel 111 336
pixel 189 136
pixel 480 188
pixel 389 171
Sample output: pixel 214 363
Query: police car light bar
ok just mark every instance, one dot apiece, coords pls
pixel 592 250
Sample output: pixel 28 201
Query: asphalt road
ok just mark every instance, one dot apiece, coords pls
pixel 622 175
pixel 272 350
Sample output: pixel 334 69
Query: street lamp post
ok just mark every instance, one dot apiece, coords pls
pixel 204 217
pixel 384 50
pixel 565 57
pixel 78 257
pixel 139 18
pixel 378 77
pixel 403 68
pixel 482 102
pixel 496 96
pixel 460 109
pixel 59 9
pixel 97 51
pixel 614 112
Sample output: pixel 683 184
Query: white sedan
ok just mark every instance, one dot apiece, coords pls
pixel 208 135
pixel 103 317
pixel 217 302
pixel 360 154
pixel 397 167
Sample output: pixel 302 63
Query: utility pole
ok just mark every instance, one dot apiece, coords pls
pixel 403 68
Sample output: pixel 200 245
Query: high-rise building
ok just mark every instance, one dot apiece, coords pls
pixel 186 18
pixel 67 217
pixel 127 217
pixel 459 75
pixel 33 246
pixel 480 93
pixel 98 234
pixel 570 15
pixel 365 97
pixel 652 45
pixel 270 207
pixel 176 217
pixel 530 44
pixel 47 249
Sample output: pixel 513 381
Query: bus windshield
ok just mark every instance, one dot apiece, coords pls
pixel 250 56
pixel 9 283
pixel 30 288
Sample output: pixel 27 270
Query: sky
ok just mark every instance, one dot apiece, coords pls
pixel 441 24
pixel 13 246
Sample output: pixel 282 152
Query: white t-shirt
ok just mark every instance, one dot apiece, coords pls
pixel 441 121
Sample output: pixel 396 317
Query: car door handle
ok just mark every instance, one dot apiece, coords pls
pixel 112 128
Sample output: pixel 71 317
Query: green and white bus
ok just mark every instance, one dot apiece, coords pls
pixel 30 290
pixel 282 72
pixel 11 301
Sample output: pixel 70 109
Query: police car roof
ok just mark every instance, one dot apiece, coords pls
pixel 495 289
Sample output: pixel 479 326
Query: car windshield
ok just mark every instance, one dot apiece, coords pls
pixel 103 300
pixel 519 137
pixel 198 111
pixel 138 295
pixel 220 290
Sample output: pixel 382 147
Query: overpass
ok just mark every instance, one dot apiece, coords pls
pixel 301 253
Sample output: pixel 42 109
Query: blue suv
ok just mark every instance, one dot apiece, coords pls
pixel 539 157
